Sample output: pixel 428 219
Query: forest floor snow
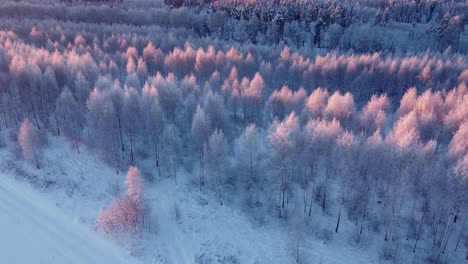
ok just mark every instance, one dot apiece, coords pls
pixel 33 230
pixel 57 205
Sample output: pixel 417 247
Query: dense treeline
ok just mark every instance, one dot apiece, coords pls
pixel 321 23
pixel 325 25
pixel 379 139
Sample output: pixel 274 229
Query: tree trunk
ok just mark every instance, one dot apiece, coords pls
pixel 341 206
pixel 310 204
pixel 156 154
pixel 461 233
pixel 5 123
pixel 120 135
pixel 201 170
pixel 220 195
pixel 297 252
pixel 435 224
pixel 35 117
pixel 132 155
pixel 338 220
pixel 466 241
pixel 305 198
pixel 419 233
pixel 251 166
pixel 324 198
pixel 175 170
pixel 36 159
pixel 386 233
pixel 75 139
pixel 364 210
pixel 282 197
pixel 448 231
pixel 57 124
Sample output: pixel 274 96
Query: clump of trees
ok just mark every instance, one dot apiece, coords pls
pixel 127 213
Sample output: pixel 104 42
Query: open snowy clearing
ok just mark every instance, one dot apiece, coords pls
pixel 35 231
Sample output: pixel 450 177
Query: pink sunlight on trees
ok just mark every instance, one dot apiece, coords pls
pixel 126 213
pixel 28 140
pixel 324 123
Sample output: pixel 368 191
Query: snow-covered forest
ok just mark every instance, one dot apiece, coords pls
pixel 230 131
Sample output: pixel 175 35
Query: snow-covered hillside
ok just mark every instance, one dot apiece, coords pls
pixel 34 230
pixel 56 225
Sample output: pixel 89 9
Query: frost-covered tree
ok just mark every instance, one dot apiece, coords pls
pixel 205 62
pixel 216 111
pixel 252 94
pixel 169 95
pixel 153 119
pixel 379 135
pixel 340 107
pixel 374 114
pixel 115 95
pixel 71 117
pixel 216 159
pixel 153 57
pixel 170 150
pixel 134 182
pixel 347 146
pixel 297 231
pixel 29 142
pixel 284 140
pixel 49 90
pixel 317 102
pixel 200 133
pixel 319 138
pixel 131 119
pixel 126 214
pixel 82 90
pixel 248 156
pixel 103 127
pixel 285 101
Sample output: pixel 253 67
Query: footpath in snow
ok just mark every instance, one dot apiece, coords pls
pixel 34 231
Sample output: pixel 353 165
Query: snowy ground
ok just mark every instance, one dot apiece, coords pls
pixel 35 231
pixel 51 212
pixel 70 189
pixel 214 234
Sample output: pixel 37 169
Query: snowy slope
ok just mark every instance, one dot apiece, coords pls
pixel 35 231
pixel 204 233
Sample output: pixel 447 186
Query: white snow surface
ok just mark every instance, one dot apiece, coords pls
pixel 54 222
pixel 35 231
